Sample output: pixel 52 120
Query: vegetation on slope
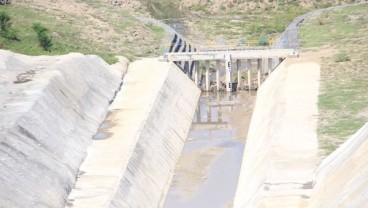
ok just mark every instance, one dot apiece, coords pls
pixel 108 28
pixel 343 99
pixel 246 20
pixel 89 27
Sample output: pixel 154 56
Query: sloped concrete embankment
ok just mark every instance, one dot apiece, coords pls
pixel 148 124
pixel 342 178
pixel 280 156
pixel 50 107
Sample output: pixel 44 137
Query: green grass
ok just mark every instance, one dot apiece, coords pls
pixel 158 31
pixel 341 57
pixel 69 33
pixel 248 25
pixel 65 36
pixel 343 99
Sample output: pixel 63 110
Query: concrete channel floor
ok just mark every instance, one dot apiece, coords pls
pixel 207 172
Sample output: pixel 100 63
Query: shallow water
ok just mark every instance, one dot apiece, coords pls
pixel 212 139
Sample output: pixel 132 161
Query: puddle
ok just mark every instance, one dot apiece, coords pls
pixel 208 170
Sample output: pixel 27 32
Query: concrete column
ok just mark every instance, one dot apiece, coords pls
pixel 207 75
pixel 196 72
pixel 218 75
pixel 238 66
pixel 269 66
pixel 260 72
pixel 249 63
pixel 228 73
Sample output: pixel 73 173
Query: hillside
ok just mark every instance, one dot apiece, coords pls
pixel 90 27
pixel 339 39
pixel 109 28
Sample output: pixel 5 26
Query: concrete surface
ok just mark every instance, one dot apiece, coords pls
pixel 50 107
pixel 342 178
pixel 280 156
pixel 146 129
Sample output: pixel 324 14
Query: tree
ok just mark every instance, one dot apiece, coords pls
pixel 43 36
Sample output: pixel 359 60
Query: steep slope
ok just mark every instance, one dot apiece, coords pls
pixel 50 108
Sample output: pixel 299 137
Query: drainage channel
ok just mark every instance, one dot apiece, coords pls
pixel 207 172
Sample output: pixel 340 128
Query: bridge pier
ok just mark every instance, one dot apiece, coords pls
pixel 260 72
pixel 238 66
pixel 218 65
pixel 196 69
pixel 207 75
pixel 249 65
pixel 270 66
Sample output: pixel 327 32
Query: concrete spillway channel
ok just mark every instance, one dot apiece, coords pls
pixel 135 153
pixel 208 170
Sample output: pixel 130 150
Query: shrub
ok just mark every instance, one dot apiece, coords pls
pixel 263 42
pixel 341 57
pixel 43 36
pixel 5 27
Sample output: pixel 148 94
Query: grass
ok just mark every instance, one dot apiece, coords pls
pixel 158 31
pixel 72 33
pixel 253 25
pixel 343 99
pixel 65 36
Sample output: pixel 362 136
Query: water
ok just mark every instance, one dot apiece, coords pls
pixel 208 170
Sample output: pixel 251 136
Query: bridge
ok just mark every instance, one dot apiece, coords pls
pixel 263 60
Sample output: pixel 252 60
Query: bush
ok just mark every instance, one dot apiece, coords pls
pixel 43 36
pixel 5 27
pixel 3 2
pixel 341 57
pixel 263 42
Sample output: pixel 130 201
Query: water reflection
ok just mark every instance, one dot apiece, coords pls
pixel 207 172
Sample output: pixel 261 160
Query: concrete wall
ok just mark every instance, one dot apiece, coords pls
pixel 342 178
pixel 255 165
pixel 50 107
pixel 148 125
pixel 281 153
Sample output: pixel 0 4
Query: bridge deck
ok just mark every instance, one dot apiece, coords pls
pixel 241 54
